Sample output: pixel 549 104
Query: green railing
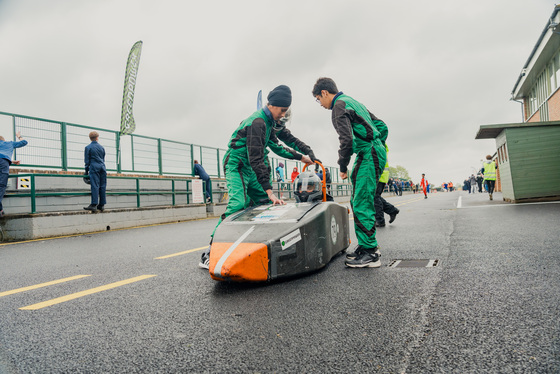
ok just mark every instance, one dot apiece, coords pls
pixel 178 187
pixel 35 189
pixel 60 145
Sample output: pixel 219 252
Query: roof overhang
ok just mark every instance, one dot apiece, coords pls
pixel 492 131
pixel 547 45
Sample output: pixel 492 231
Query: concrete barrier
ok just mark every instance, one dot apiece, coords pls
pixel 17 227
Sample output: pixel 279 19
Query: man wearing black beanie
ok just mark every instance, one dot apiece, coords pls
pixel 247 172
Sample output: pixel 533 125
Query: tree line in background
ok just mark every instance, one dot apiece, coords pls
pixel 398 172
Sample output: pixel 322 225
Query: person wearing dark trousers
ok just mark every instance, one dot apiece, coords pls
pixel 383 207
pixel 6 150
pixel 94 158
pixel 202 174
pixel 489 172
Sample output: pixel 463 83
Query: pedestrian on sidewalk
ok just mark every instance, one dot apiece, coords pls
pixel 424 185
pixel 489 170
pixel 94 158
pixel 6 151
pixel 247 175
pixel 383 207
pixel 202 174
pixel 362 133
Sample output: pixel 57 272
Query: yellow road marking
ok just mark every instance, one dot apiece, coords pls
pixel 180 253
pixel 409 201
pixel 76 295
pixel 23 289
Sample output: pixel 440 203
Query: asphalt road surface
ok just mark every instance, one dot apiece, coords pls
pixel 134 301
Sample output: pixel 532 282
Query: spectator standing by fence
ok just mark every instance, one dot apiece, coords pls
pixel 94 159
pixel 6 151
pixel 295 173
pixel 202 174
pixel 280 172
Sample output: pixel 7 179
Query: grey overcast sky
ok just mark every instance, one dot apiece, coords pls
pixel 434 71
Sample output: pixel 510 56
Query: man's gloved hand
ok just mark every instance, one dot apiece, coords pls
pixel 312 157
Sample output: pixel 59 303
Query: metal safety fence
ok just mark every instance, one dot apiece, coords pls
pixel 39 193
pixel 60 145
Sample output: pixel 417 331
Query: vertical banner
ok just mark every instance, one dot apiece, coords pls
pixel 197 192
pixel 127 119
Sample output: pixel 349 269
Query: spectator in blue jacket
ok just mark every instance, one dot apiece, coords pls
pixel 94 159
pixel 199 170
pixel 6 150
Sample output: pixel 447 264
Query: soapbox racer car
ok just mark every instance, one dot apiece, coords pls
pixel 268 242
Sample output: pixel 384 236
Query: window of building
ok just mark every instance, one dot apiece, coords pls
pixel 556 61
pixel 500 155
pixel 545 84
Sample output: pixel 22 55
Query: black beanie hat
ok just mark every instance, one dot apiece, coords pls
pixel 280 96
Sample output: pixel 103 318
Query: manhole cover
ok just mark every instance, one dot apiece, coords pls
pixel 413 263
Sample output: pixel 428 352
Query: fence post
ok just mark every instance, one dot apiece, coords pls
pixel 173 191
pixel 118 139
pixel 137 193
pixel 192 162
pixel 132 150
pixel 160 158
pixel 64 148
pixel 33 202
pixel 218 161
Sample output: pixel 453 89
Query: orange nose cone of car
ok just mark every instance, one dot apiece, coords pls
pixel 246 262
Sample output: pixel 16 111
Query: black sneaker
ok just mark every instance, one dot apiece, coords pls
pixel 101 208
pixel 91 207
pixel 204 261
pixel 393 216
pixel 379 224
pixel 367 259
pixel 358 251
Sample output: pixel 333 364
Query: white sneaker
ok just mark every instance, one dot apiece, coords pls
pixel 204 261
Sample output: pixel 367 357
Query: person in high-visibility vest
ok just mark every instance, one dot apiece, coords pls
pixel 383 207
pixel 489 171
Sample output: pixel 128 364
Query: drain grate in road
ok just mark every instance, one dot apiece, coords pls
pixel 414 263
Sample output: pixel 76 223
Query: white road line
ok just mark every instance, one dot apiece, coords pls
pixel 510 204
pixel 459 202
